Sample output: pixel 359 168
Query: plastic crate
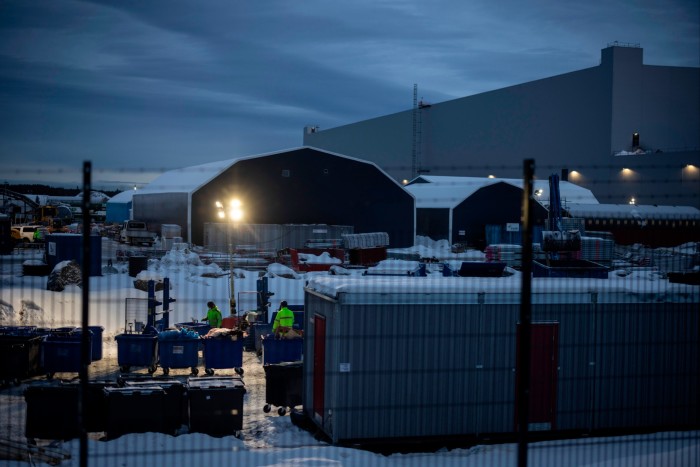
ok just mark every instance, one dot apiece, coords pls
pixel 223 352
pixel 19 357
pixel 137 350
pixel 283 385
pixel 178 353
pixel 216 405
pixel 281 350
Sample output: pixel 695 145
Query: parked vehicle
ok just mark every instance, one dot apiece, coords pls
pixel 24 233
pixel 136 232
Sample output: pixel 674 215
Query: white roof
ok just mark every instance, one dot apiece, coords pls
pixel 432 290
pixel 190 179
pixel 122 198
pixel 448 192
pixel 187 179
pixel 633 211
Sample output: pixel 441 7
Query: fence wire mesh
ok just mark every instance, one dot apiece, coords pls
pixel 409 349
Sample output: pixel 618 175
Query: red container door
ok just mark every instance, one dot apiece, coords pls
pixel 544 359
pixel 319 384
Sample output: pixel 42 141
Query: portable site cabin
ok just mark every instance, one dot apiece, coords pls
pixel 410 358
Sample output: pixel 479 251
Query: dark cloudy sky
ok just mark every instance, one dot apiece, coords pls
pixel 138 87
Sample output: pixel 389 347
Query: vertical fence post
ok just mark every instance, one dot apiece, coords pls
pixel 85 340
pixel 523 358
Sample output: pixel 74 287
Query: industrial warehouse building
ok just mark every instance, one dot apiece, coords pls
pixel 653 226
pixel 623 129
pixel 298 186
pixel 415 358
pixel 482 211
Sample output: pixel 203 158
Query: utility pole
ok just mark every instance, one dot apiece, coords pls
pixel 414 147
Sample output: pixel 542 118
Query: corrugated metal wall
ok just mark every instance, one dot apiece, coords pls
pixel 270 237
pixel 162 208
pixel 396 370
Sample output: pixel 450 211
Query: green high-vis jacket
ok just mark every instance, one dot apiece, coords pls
pixel 284 318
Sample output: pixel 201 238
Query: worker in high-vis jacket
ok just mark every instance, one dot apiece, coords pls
pixel 284 321
pixel 213 315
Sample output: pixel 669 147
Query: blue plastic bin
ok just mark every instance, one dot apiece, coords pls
pixel 258 330
pixel 281 350
pixel 216 405
pixel 224 352
pixel 17 330
pixel 137 350
pixel 283 386
pixel 178 353
pixel 19 357
pixel 96 342
pixel 62 353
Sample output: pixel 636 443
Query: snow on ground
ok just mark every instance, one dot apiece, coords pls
pixel 268 439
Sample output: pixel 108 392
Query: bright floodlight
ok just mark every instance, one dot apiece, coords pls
pixel 219 205
pixel 235 212
pixel 222 215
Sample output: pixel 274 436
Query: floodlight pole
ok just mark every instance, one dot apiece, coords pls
pixel 232 292
pixel 232 215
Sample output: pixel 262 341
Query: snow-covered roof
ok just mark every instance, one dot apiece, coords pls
pixel 190 179
pixel 187 179
pixel 122 198
pixel 373 289
pixel 633 211
pixel 448 192
pixel 96 197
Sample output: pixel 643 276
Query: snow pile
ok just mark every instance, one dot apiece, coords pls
pixel 440 250
pixel 6 311
pixel 323 258
pixel 96 197
pixel 280 270
pixel 181 259
pixel 394 267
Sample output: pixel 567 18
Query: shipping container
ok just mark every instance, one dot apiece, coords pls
pixel 407 359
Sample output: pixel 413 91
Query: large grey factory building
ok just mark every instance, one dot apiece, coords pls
pixel 628 131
